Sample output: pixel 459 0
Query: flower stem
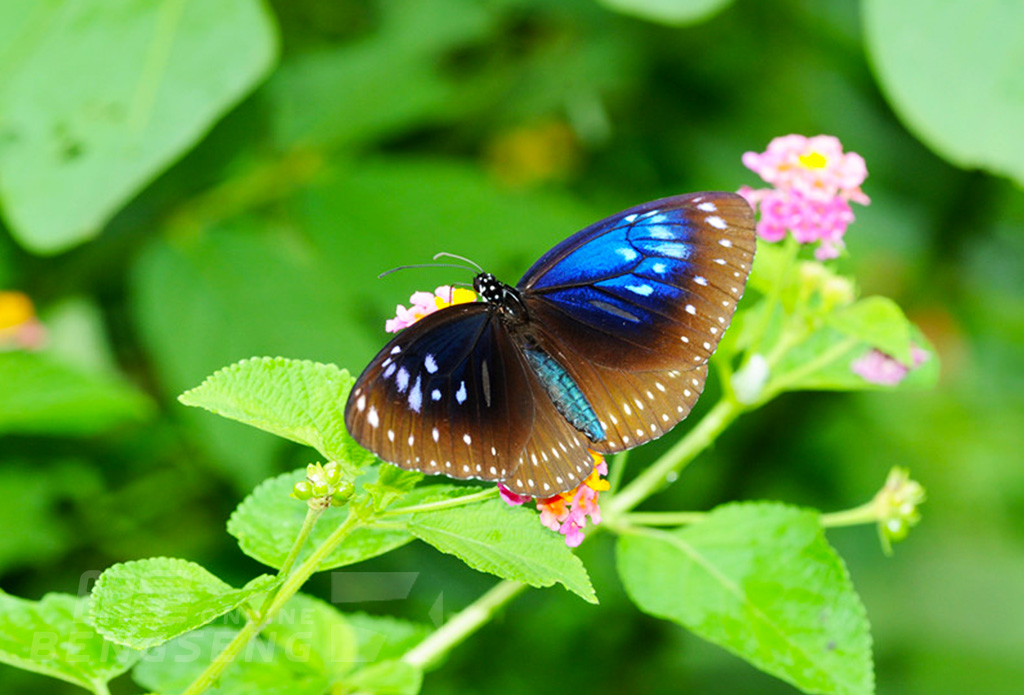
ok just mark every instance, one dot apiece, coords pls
pixel 676 458
pixel 864 514
pixel 443 504
pixel 274 601
pixel 662 518
pixel 466 622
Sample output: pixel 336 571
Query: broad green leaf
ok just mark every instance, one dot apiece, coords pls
pixel 43 396
pixel 267 522
pixel 506 541
pixel 53 637
pixel 314 632
pixel 879 322
pixel 672 12
pixel 761 581
pixel 99 96
pixel 951 71
pixel 387 678
pixel 147 602
pixel 382 637
pixel 299 400
pixel 263 667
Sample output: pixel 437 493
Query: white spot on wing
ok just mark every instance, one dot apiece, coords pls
pixel 460 395
pixel 430 363
pixel 716 222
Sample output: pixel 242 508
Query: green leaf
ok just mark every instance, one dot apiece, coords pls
pixel 299 400
pixel 879 322
pixel 102 95
pixel 394 79
pixel 382 637
pixel 824 361
pixel 505 541
pixel 314 632
pixel 43 396
pixel 951 71
pixel 671 12
pixel 267 522
pixel 53 637
pixel 387 678
pixel 761 581
pixel 262 667
pixel 147 602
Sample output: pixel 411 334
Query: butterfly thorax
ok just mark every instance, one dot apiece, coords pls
pixel 504 298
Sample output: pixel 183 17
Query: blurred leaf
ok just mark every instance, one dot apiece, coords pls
pixel 382 637
pixel 76 335
pixel 267 522
pixel 879 322
pixel 42 396
pixel 672 12
pixel 375 86
pixel 504 541
pixel 952 73
pixel 99 96
pixel 144 603
pixel 299 400
pixel 761 581
pixel 387 678
pixel 199 307
pixel 53 637
pixel 263 667
pixel 314 632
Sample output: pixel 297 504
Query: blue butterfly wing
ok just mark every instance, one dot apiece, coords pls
pixel 634 305
pixel 453 394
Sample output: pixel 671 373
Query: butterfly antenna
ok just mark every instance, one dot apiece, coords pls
pixel 422 265
pixel 445 254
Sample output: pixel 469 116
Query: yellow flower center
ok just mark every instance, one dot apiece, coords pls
pixel 460 295
pixel 15 309
pixel 813 160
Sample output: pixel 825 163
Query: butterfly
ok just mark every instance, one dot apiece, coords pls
pixel 602 345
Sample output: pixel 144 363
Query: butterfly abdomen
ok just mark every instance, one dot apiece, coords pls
pixel 565 393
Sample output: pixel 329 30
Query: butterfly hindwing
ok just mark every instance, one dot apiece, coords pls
pixel 453 394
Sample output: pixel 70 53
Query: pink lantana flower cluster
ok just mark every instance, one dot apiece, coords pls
pixel 880 368
pixel 424 303
pixel 813 183
pixel 567 512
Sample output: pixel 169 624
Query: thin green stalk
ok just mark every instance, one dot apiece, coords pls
pixel 291 585
pixel 676 458
pixel 864 514
pixel 780 384
pixel 616 471
pixel 443 504
pixel 466 622
pixel 662 518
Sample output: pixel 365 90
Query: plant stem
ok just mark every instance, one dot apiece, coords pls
pixel 274 602
pixel 466 622
pixel 864 514
pixel 662 518
pixel 443 504
pixel 676 458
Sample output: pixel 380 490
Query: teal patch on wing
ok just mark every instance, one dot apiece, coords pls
pixel 565 394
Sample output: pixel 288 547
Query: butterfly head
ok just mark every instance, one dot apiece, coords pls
pixel 504 297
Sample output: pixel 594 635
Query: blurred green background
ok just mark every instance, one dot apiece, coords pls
pixel 190 184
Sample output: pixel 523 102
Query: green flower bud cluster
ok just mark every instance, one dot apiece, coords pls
pixel 325 485
pixel 896 507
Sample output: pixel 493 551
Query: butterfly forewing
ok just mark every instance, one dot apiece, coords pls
pixel 636 329
pixel 447 395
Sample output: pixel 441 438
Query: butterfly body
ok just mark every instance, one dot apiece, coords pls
pixel 602 345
